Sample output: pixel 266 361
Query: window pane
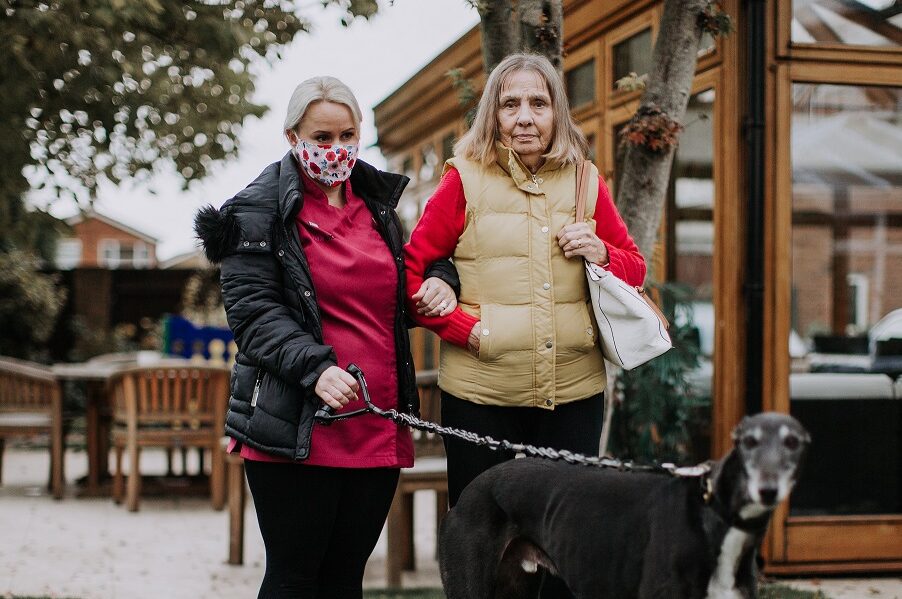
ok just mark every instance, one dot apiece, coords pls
pixel 68 253
pixel 142 255
pixel 846 310
pixel 690 253
pixel 633 55
pixel 109 253
pixel 581 84
pixel 126 253
pixel 861 23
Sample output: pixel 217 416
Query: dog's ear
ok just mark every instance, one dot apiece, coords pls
pixel 737 430
pixel 805 436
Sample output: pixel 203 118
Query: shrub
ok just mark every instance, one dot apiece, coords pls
pixel 29 304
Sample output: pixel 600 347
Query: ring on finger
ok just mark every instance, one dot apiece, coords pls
pixel 579 243
pixel 442 305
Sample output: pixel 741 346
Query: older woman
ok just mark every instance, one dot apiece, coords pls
pixel 519 357
pixel 313 279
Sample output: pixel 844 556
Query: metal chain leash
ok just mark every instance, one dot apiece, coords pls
pixel 326 415
pixel 547 453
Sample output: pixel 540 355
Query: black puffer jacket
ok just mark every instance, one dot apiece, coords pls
pixel 271 304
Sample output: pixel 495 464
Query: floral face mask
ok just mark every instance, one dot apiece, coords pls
pixel 329 164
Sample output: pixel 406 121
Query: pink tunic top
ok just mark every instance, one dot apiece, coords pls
pixel 355 279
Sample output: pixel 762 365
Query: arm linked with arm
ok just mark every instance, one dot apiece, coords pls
pixel 435 239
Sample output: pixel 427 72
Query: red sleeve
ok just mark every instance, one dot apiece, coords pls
pixel 625 261
pixel 435 238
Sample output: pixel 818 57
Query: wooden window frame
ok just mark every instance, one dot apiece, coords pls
pixel 842 53
pixel 650 19
pixel 827 543
pixel 110 244
pixel 592 126
pixel 577 58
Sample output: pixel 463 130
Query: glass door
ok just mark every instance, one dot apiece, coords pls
pixel 845 317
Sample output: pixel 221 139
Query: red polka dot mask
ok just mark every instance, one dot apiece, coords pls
pixel 329 164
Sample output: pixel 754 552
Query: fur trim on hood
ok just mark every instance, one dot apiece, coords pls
pixel 217 232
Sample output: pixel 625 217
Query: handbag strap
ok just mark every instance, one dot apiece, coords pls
pixel 582 184
pixel 651 304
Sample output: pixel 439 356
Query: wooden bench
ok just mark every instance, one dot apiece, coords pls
pixel 428 474
pixel 31 404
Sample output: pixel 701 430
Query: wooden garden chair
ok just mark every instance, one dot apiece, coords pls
pixel 31 404
pixel 173 407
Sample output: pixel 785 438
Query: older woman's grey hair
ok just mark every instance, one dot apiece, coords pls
pixel 568 144
pixel 319 89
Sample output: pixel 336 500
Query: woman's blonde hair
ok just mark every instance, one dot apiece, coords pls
pixel 568 144
pixel 319 89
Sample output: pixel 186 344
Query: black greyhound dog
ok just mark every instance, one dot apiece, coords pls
pixel 612 534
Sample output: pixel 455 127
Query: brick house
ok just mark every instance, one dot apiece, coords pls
pixel 98 241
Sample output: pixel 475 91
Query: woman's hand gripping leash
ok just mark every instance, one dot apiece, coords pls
pixel 326 413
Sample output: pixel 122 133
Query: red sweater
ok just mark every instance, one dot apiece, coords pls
pixel 435 237
pixel 356 281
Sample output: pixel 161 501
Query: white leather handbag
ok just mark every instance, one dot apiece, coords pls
pixel 632 328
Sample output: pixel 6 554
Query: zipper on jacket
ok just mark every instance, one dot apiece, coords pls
pixel 257 385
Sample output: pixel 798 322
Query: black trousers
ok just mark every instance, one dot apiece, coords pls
pixel 319 526
pixel 575 426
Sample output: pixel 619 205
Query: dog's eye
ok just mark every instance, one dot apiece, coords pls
pixel 749 442
pixel 791 442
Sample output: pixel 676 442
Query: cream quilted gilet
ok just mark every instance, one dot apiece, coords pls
pixel 537 339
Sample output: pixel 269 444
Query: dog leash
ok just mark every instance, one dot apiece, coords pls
pixel 326 415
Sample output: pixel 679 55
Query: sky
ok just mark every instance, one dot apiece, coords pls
pixel 375 57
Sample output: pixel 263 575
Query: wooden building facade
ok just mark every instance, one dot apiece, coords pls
pixel 784 215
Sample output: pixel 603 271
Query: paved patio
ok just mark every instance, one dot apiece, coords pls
pixel 176 547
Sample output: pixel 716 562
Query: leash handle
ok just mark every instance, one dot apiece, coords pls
pixel 326 414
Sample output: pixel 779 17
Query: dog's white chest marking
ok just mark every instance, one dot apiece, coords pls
pixel 723 581
pixel 753 511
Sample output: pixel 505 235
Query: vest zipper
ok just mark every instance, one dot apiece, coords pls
pixel 257 385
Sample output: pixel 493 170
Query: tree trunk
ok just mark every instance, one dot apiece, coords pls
pixel 541 29
pixel 499 36
pixel 645 173
pixel 538 27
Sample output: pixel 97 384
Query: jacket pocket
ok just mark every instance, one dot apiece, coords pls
pixel 504 329
pixel 574 327
pixel 242 387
